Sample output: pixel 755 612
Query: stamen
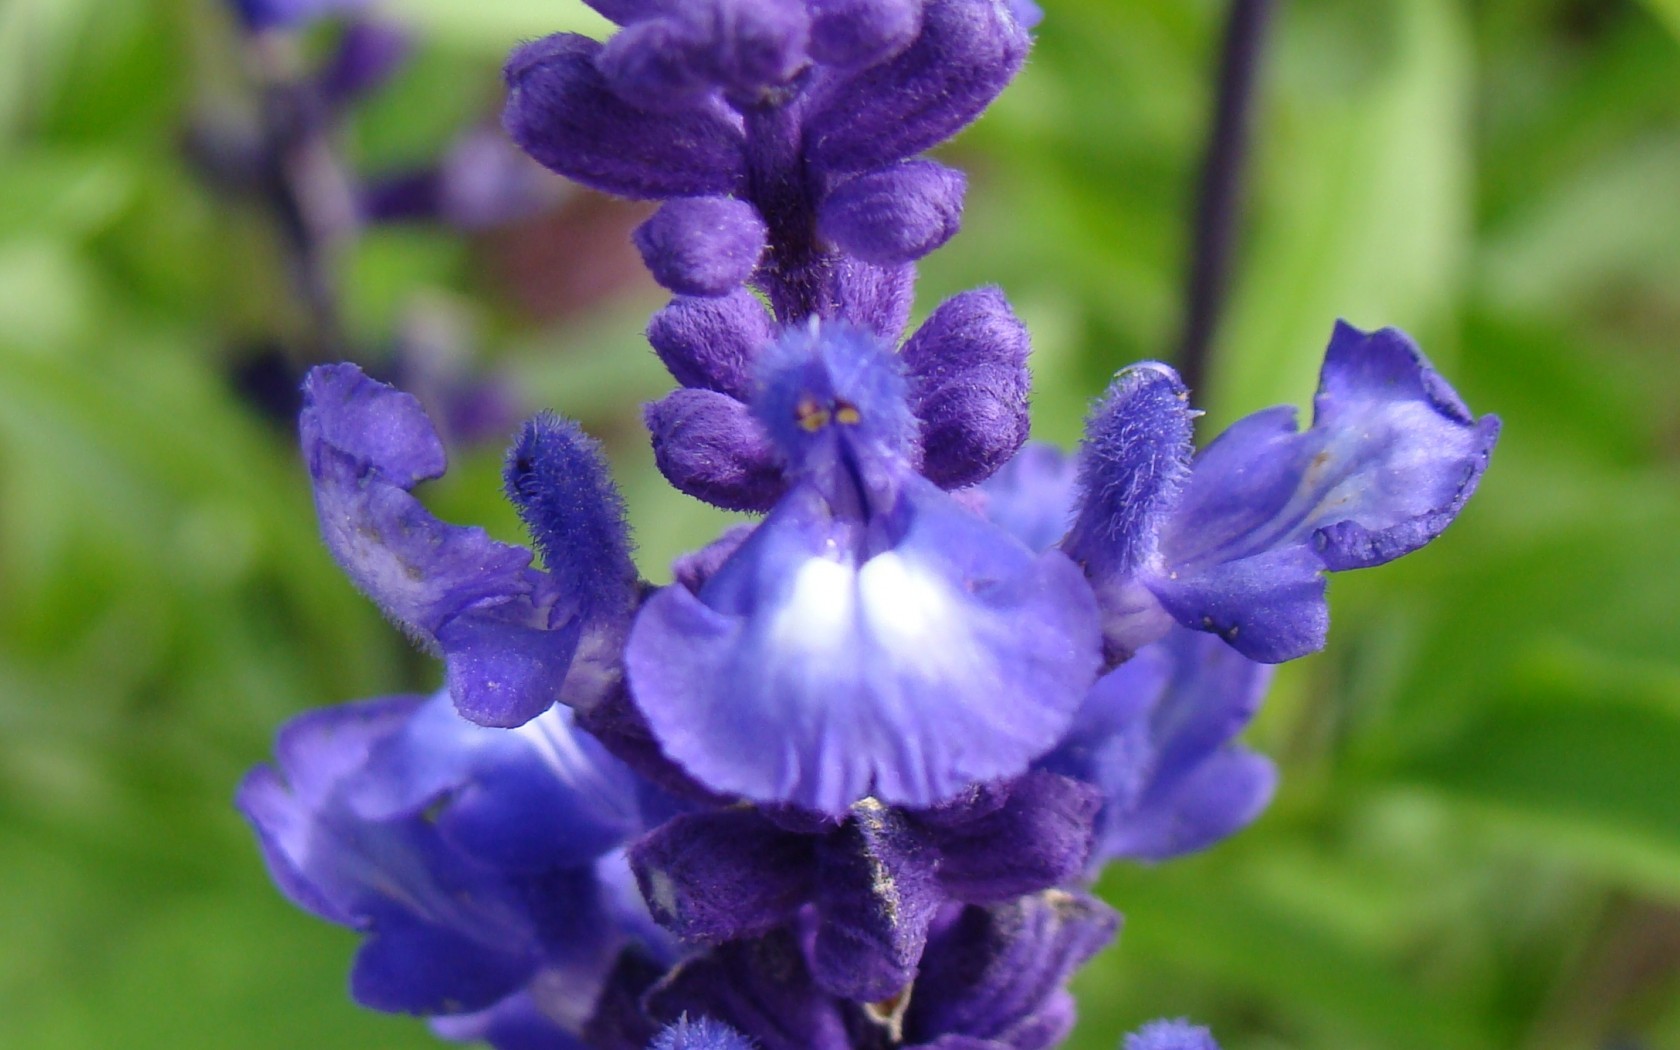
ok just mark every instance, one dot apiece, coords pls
pixel 811 416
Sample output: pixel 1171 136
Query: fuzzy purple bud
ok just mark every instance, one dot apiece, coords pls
pixel 966 54
pixel 702 245
pixel 711 342
pixel 895 215
pixel 852 34
pixel 1132 464
pixel 562 112
pixel 707 445
pixel 558 479
pixel 968 385
pixel 703 1034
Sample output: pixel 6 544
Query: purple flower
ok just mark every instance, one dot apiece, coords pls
pixel 1236 542
pixel 1155 736
pixel 892 642
pixel 870 885
pixel 799 119
pixel 510 634
pixel 474 860
pixel 990 979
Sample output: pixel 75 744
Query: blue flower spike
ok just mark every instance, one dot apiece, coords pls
pixel 845 782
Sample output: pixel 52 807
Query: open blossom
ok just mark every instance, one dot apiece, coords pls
pixel 844 783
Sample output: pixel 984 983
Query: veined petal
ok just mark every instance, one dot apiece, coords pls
pixel 508 632
pixel 998 973
pixel 1389 461
pixel 904 664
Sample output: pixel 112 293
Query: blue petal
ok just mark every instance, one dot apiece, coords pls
pixel 1388 463
pixel 1032 496
pixel 829 659
pixel 541 796
pixel 507 631
pixel 999 973
pixel 1156 737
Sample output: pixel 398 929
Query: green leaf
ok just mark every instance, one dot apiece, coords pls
pixel 1576 773
pixel 494 28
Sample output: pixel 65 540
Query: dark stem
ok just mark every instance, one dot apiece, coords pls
pixel 1218 201
pixel 307 189
pixel 795 272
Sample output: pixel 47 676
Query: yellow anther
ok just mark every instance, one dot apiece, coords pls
pixel 847 413
pixel 811 416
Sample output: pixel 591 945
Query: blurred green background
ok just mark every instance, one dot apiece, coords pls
pixel 1477 841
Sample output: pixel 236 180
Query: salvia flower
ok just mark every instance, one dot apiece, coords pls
pixel 843 783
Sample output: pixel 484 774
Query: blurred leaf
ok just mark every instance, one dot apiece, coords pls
pixel 1667 12
pixel 1583 774
pixel 1363 199
pixel 493 29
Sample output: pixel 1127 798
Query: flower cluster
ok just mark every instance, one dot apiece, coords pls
pixel 844 783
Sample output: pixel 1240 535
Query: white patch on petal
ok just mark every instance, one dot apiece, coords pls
pixel 912 615
pixel 817 617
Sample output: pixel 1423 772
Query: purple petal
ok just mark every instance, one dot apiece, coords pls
pixel 702 245
pixel 446 932
pixel 713 877
pixel 875 898
pixel 1156 737
pixel 542 796
pixel 964 56
pixel 968 385
pixel 894 215
pixel 1170 1035
pixel 1032 496
pixel 998 973
pixel 1388 463
pixel 560 111
pixel 761 987
pixel 423 969
pixel 945 658
pixel 453 587
pixel 1218 798
pixel 874 297
pixel 1402 487
pixel 515 1023
pixel 711 343
pixel 1047 821
pixel 708 445
pixel 1269 606
pixel 852 34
